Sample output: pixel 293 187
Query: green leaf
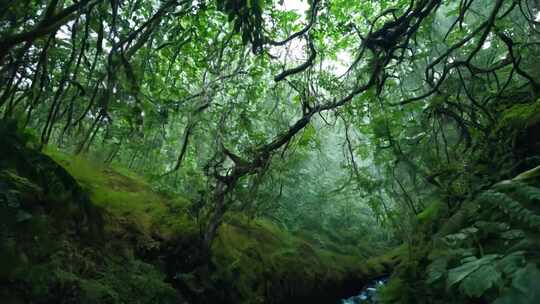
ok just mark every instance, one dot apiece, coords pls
pixel 481 280
pixel 307 136
pixel 525 287
pixel 23 216
pixel 437 270
pixel 527 279
pixel 512 262
pixel 457 274
pixel 513 234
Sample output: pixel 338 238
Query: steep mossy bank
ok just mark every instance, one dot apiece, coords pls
pixel 74 231
pixel 260 262
pixel 59 245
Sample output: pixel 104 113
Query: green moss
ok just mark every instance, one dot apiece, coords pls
pixel 255 257
pixel 430 214
pixel 127 197
pixel 520 116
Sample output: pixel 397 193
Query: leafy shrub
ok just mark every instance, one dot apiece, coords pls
pixel 490 253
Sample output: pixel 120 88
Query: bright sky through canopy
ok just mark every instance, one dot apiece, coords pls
pixel 297 51
pixel 295 5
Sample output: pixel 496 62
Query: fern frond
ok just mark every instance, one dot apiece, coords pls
pixel 511 207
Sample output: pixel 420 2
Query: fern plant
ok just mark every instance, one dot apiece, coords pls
pixel 513 208
pixel 489 255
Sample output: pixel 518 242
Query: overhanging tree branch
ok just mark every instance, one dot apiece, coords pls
pixel 309 62
pixel 50 22
pixel 302 32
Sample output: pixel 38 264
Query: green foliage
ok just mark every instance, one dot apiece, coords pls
pixel 247 18
pixel 525 287
pixel 117 281
pixel 475 276
pixel 395 121
pixel 513 208
pixel 472 260
pixel 122 281
pixel 396 291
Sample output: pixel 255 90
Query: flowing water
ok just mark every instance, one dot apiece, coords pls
pixel 368 295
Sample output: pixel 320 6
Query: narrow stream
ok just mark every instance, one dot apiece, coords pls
pixel 368 295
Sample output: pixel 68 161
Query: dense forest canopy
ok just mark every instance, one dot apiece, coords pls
pixel 345 118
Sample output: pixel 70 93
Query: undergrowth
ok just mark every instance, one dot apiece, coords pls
pixel 486 252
